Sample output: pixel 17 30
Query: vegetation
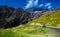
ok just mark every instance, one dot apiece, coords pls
pixel 50 19
pixel 27 31
pixel 33 28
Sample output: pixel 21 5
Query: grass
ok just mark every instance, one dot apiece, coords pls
pixel 24 31
pixel 50 19
pixel 33 29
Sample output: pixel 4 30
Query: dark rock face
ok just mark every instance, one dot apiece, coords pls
pixel 40 9
pixel 10 17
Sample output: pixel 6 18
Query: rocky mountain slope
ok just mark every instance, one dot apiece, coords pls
pixel 32 28
pixel 10 17
pixel 50 19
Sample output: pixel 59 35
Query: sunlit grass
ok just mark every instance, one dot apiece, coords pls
pixel 34 29
pixel 51 19
pixel 25 31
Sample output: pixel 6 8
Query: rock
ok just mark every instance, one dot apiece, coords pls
pixel 10 17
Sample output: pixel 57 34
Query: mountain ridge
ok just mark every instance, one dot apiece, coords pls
pixel 10 17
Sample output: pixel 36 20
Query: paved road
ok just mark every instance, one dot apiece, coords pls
pixel 56 29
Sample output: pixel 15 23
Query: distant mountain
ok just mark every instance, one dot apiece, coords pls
pixel 37 9
pixel 40 9
pixel 36 12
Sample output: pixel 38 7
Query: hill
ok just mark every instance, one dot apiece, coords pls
pixel 28 31
pixel 32 28
pixel 11 17
pixel 50 19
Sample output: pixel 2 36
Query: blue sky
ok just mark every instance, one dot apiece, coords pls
pixel 13 3
pixel 31 3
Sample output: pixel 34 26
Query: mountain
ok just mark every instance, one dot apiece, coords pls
pixel 36 12
pixel 37 9
pixel 50 19
pixel 10 17
pixel 40 9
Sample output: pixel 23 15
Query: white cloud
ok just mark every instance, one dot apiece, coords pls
pixel 49 7
pixel 36 2
pixel 41 5
pixel 29 4
pixel 47 4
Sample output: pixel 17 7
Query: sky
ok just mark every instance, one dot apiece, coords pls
pixel 25 4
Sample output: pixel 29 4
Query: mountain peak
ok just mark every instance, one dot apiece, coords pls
pixel 37 9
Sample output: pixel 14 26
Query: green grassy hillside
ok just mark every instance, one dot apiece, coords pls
pixel 50 19
pixel 33 29
pixel 27 31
